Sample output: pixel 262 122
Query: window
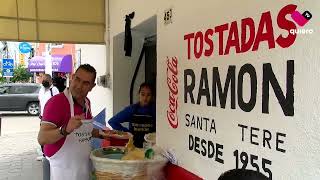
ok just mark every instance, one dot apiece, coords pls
pixel 23 89
pixel 34 89
pixel 3 89
pixel 30 89
pixel 16 90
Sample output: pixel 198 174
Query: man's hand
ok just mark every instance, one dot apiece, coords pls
pixel 106 134
pixel 99 133
pixel 116 134
pixel 74 123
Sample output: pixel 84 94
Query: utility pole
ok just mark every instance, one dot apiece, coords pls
pixel 78 58
pixel 7 56
pixel 48 67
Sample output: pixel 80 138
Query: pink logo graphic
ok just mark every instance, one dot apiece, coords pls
pixel 301 19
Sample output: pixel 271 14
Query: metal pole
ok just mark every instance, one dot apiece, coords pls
pixel 79 57
pixel 7 50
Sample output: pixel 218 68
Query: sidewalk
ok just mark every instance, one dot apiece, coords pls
pixel 18 157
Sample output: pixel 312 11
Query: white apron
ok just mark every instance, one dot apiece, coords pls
pixel 71 161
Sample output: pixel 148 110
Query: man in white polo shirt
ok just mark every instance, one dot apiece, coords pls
pixel 46 92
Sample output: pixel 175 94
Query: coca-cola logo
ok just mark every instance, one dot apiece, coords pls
pixel 172 82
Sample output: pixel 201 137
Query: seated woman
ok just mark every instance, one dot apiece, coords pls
pixel 140 116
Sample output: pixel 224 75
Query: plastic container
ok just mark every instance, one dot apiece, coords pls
pixel 115 169
pixel 150 140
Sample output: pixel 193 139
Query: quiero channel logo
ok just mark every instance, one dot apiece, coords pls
pixel 301 20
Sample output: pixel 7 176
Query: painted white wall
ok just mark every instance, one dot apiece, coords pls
pixel 125 66
pixel 144 9
pixel 122 68
pixel 301 160
pixel 100 97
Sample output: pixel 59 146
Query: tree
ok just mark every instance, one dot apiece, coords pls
pixel 21 74
pixel 2 79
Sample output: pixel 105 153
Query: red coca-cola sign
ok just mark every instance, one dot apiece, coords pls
pixel 172 82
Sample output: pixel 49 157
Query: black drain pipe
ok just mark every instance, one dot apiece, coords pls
pixel 135 74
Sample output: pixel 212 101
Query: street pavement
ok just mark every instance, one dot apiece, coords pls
pixel 18 148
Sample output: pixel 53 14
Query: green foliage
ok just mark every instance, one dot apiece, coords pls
pixel 2 80
pixel 21 74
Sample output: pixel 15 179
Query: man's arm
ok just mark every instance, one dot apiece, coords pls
pixel 39 98
pixel 123 116
pixel 49 134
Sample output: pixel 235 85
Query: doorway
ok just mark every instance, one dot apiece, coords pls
pixel 151 61
pixel 142 63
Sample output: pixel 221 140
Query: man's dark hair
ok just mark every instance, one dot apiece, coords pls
pixel 242 174
pixel 147 85
pixel 48 76
pixel 88 68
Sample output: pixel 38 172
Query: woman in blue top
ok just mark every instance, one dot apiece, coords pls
pixel 141 116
